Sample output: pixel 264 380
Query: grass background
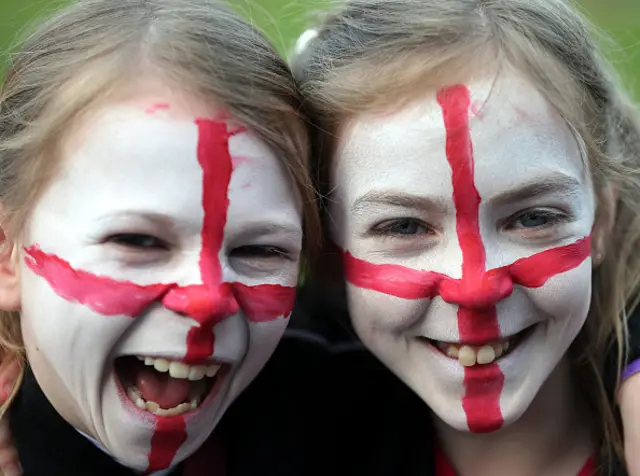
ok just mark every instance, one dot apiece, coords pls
pixel 284 20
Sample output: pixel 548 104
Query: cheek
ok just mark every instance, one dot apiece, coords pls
pixel 379 316
pixel 61 331
pixel 262 340
pixel 566 298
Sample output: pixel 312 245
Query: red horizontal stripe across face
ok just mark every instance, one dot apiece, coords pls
pixel 101 294
pixel 111 297
pixel 265 302
pixel 408 283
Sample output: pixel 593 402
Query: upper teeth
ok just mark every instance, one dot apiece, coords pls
pixel 180 369
pixel 471 355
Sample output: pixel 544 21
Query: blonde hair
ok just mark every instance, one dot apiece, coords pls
pixel 370 55
pixel 85 52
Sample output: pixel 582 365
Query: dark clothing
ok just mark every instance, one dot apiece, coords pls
pixel 316 409
pixel 270 430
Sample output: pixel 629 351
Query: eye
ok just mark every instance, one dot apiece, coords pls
pixel 533 219
pixel 259 252
pixel 401 227
pixel 137 240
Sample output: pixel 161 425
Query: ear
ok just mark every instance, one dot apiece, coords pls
pixel 10 296
pixel 603 226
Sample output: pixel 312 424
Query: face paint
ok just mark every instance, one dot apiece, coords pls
pixel 159 106
pixel 468 265
pixel 153 253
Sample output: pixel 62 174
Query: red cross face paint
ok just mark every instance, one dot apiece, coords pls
pixel 158 276
pixel 466 236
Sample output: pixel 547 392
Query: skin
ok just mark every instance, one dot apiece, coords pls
pixel 629 400
pixel 82 219
pixel 393 222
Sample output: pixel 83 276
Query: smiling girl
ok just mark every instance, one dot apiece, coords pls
pixel 480 165
pixel 153 195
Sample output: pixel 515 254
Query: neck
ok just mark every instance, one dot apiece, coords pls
pixel 552 437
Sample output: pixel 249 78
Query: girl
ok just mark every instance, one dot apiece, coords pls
pixel 153 195
pixel 480 165
pixel 373 404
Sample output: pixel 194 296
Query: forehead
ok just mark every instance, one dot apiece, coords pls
pixel 512 127
pixel 145 159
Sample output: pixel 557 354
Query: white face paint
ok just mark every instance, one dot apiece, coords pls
pixel 438 287
pixel 134 250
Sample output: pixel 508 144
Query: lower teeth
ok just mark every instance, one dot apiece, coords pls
pixel 153 407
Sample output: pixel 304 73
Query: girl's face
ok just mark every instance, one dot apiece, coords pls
pixel 159 271
pixel 466 224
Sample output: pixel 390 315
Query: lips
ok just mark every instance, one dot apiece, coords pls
pixel 165 387
pixel 470 355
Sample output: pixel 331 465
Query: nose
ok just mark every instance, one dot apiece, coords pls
pixel 477 292
pixel 208 305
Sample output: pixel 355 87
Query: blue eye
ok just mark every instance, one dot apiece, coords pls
pixel 402 227
pixel 536 219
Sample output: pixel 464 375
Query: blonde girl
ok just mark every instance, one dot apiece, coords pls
pixel 479 165
pixel 153 193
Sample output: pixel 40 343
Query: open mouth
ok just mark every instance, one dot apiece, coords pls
pixel 470 355
pixel 166 387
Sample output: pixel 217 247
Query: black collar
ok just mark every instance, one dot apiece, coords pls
pixel 48 446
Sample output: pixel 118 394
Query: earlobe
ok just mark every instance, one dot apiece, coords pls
pixel 9 274
pixel 604 224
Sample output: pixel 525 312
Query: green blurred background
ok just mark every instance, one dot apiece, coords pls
pixel 284 20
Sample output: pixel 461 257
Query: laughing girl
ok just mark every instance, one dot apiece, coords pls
pixel 153 192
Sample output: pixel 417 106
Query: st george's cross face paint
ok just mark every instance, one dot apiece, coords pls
pixel 159 272
pixel 465 221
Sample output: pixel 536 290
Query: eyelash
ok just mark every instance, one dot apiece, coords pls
pixel 138 241
pixel 386 228
pixel 148 242
pixel 552 217
pixel 260 251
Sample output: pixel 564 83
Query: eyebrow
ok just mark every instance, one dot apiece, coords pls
pixel 559 183
pixel 556 183
pixel 399 199
pixel 158 219
pixel 266 229
pixel 262 228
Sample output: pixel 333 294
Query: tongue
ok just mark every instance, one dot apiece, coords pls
pixel 159 387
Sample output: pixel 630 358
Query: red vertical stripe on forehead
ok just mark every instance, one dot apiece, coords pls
pixel 215 160
pixel 481 401
pixel 211 302
pixel 455 103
